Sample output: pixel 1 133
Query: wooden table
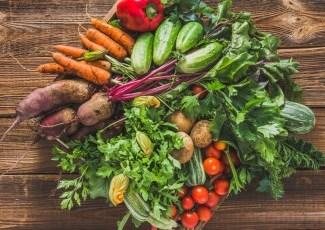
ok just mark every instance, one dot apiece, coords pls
pixel 28 30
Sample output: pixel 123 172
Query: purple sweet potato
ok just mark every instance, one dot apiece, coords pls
pixel 47 99
pixel 97 109
pixel 55 124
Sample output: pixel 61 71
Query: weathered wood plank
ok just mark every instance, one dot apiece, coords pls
pixel 16 83
pixel 26 203
pixel 38 157
pixel 30 28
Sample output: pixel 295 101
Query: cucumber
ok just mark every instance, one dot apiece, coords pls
pixel 194 169
pixel 189 36
pixel 141 58
pixel 299 118
pixel 200 59
pixel 164 41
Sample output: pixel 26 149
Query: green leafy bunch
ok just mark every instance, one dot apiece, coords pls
pixel 156 177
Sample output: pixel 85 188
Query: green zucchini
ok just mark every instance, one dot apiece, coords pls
pixel 136 208
pixel 200 59
pixel 194 169
pixel 164 41
pixel 299 118
pixel 189 36
pixel 141 58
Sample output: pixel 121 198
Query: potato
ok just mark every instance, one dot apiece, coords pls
pixel 201 135
pixel 184 123
pixel 184 154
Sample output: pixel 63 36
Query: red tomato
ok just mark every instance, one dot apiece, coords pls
pixel 213 200
pixel 190 219
pixel 213 166
pixel 204 213
pixel 173 212
pixel 200 91
pixel 200 194
pixel 210 151
pixel 220 145
pixel 183 193
pixel 188 203
pixel 221 187
pixel 234 159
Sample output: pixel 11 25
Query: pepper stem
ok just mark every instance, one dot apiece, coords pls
pixel 151 11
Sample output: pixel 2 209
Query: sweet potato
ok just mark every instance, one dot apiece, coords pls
pixel 98 108
pixel 201 135
pixel 184 154
pixel 55 124
pixel 46 99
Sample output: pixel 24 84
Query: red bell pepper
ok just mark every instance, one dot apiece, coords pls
pixel 140 15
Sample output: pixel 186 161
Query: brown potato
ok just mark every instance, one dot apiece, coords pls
pixel 201 135
pixel 184 123
pixel 184 154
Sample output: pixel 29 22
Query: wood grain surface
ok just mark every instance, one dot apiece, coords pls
pixel 29 29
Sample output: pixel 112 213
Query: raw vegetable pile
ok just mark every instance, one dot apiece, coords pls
pixel 169 108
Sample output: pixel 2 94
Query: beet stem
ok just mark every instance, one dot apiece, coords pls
pixel 14 124
pixel 62 143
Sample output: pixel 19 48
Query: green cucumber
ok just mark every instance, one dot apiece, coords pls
pixel 194 169
pixel 200 59
pixel 141 58
pixel 189 36
pixel 164 41
pixel 299 118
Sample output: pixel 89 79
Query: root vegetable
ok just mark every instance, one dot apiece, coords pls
pixel 115 33
pixel 201 135
pixel 55 124
pixel 98 108
pixel 70 51
pixel 52 68
pixel 84 131
pixel 184 154
pixel 184 123
pixel 90 73
pixel 105 65
pixel 89 44
pixel 47 99
pixel 113 48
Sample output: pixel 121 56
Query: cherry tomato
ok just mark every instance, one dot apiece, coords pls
pixel 204 213
pixel 200 194
pixel 213 200
pixel 172 212
pixel 190 219
pixel 234 159
pixel 188 203
pixel 210 151
pixel 221 187
pixel 213 166
pixel 220 145
pixel 183 193
pixel 200 91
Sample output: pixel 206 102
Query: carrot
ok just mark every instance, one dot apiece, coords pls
pixel 105 65
pixel 113 48
pixel 115 33
pixel 70 51
pixel 89 44
pixel 53 68
pixel 90 73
